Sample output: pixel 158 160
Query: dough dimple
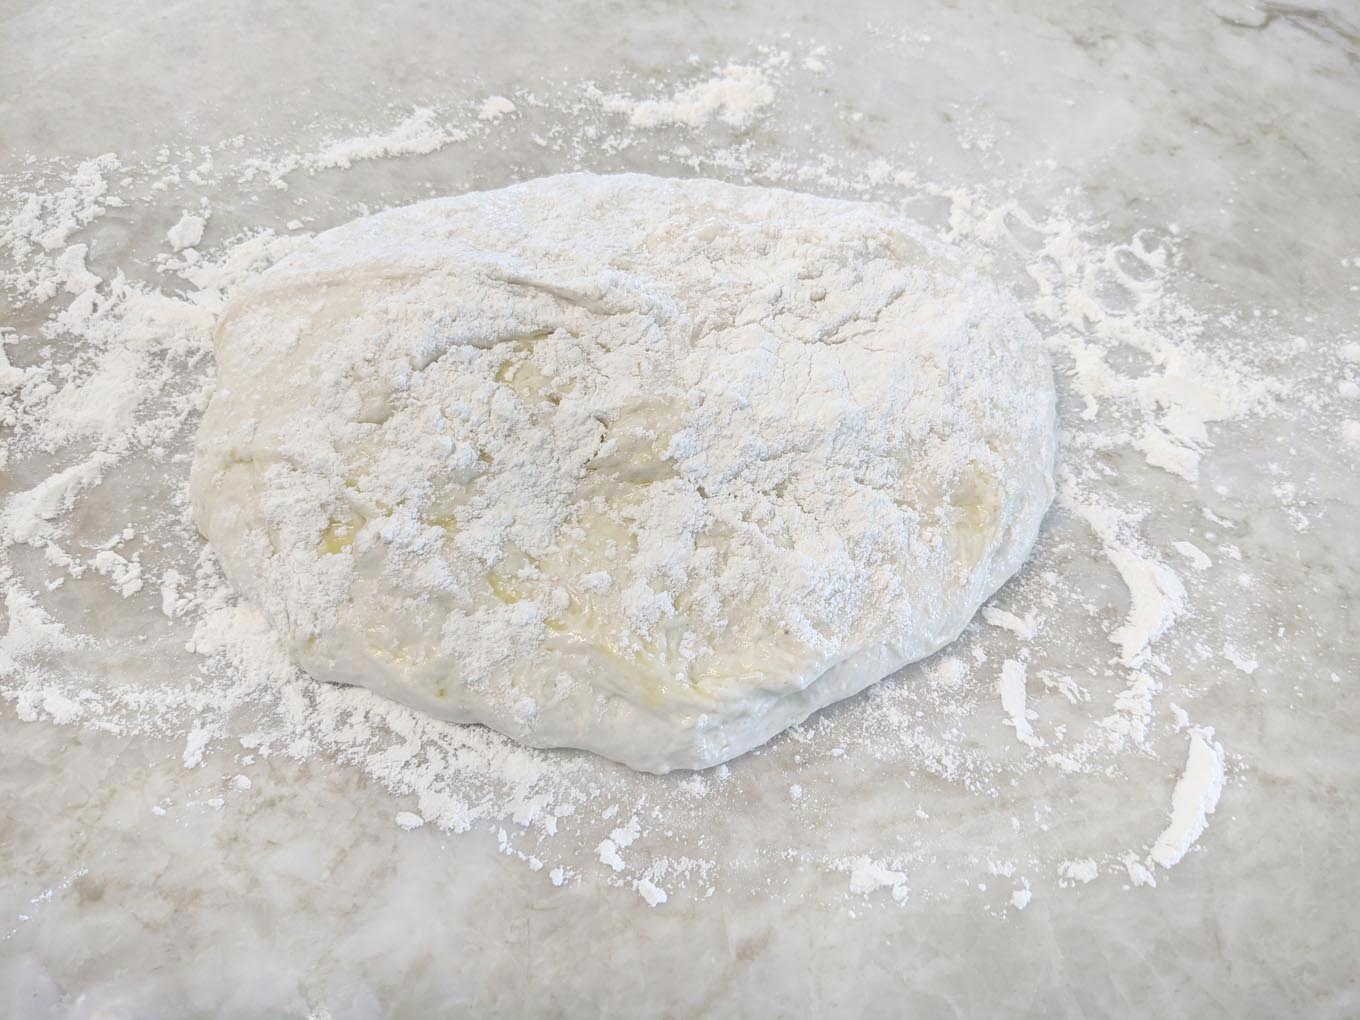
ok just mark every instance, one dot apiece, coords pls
pixel 650 467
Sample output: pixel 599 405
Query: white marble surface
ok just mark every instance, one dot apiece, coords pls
pixel 299 896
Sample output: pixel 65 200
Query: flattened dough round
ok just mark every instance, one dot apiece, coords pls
pixel 647 466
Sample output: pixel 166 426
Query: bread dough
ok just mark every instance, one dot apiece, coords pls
pixel 651 467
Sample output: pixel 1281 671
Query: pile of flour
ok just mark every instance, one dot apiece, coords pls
pixel 118 617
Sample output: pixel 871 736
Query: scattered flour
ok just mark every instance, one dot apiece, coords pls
pixel 1241 660
pixel 1194 554
pixel 187 232
pixel 868 875
pixel 1156 595
pixel 102 381
pixel 30 633
pixel 735 95
pixel 652 893
pixel 76 278
pixel 609 855
pixel 1138 872
pixel 1194 799
pixel 28 516
pixel 494 108
pixel 1083 870
pixel 417 135
pixel 1011 687
pixel 1024 629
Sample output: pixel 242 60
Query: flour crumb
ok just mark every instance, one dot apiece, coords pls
pixel 1161 451
pixel 735 95
pixel 171 605
pixel 1194 798
pixel 1024 629
pixel 1194 554
pixel 1011 687
pixel 1138 872
pixel 195 744
pixel 652 893
pixel 868 875
pixel 187 232
pixel 126 575
pixel 1156 594
pixel 625 835
pixel 70 266
pixel 494 108
pixel 417 135
pixel 608 852
pixel 1240 660
pixel 1083 870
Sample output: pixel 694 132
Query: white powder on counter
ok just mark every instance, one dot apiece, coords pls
pixel 1156 595
pixel 1011 687
pixel 494 108
pixel 101 390
pixel 1024 629
pixel 187 232
pixel 868 875
pixel 417 135
pixel 41 221
pixel 27 516
pixel 1082 871
pixel 734 95
pixel 30 632
pixel 1193 800
pixel 76 278
pixel 652 893
pixel 1194 554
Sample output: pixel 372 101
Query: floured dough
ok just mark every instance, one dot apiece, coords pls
pixel 646 466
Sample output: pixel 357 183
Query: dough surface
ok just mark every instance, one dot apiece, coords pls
pixel 650 467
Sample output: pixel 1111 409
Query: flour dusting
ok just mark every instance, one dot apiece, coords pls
pixel 1194 799
pixel 959 773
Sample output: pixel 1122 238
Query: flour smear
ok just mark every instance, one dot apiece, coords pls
pixel 960 772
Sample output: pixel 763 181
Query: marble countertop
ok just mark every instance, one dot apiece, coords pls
pixel 254 885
